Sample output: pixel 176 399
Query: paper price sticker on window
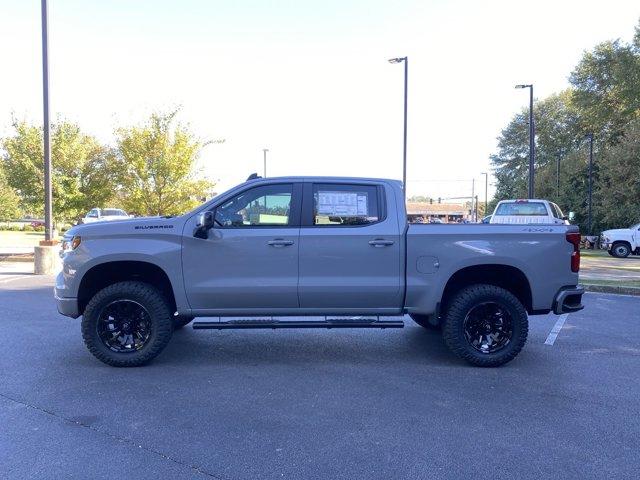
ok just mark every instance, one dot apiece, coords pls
pixel 351 204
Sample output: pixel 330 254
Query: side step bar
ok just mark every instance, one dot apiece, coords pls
pixel 273 324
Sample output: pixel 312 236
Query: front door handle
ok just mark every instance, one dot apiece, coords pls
pixel 381 242
pixel 279 242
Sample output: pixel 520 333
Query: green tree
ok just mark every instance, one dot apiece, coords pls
pixel 606 85
pixel 81 177
pixel 557 133
pixel 9 200
pixel 156 165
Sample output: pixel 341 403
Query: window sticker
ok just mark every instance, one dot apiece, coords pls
pixel 352 204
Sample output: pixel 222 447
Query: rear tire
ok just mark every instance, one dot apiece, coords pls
pixel 485 325
pixel 180 321
pixel 424 321
pixel 127 324
pixel 620 250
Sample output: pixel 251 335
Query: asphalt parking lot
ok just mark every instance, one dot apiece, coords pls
pixel 345 404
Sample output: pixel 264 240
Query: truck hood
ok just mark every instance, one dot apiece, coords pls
pixel 129 226
pixel 617 232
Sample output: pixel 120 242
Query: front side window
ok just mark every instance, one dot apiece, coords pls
pixel 345 204
pixel 268 205
pixel 93 214
pixel 529 209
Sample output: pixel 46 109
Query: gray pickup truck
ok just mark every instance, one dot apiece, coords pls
pixel 337 249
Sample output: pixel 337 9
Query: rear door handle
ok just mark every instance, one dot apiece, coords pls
pixel 380 242
pixel 280 242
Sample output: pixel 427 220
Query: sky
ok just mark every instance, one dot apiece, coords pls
pixel 309 81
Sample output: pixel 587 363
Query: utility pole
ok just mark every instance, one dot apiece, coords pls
pixel 46 127
pixel 476 210
pixel 486 192
pixel 264 154
pixel 558 178
pixel 473 195
pixel 532 140
pixel 590 137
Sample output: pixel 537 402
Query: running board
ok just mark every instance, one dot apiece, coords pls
pixel 273 324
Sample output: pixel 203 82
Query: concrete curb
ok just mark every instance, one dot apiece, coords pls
pixel 619 290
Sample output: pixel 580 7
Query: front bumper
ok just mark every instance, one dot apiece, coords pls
pixel 568 300
pixel 67 306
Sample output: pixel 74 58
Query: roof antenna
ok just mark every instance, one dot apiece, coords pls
pixel 253 176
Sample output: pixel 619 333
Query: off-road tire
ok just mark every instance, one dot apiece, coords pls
pixel 620 250
pixel 423 321
pixel 161 323
pixel 180 321
pixel 457 310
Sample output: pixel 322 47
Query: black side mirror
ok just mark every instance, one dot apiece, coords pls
pixel 204 223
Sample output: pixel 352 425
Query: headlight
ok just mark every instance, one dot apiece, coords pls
pixel 70 243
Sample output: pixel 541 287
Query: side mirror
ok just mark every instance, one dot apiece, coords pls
pixel 204 223
pixel 572 216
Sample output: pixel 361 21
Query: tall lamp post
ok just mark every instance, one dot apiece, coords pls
pixel 532 140
pixel 264 160
pixel 404 149
pixel 486 192
pixel 48 213
pixel 590 137
pixel 558 178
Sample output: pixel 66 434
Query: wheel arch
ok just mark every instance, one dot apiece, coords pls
pixel 104 274
pixel 508 277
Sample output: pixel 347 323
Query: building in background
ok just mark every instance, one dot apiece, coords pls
pixel 424 212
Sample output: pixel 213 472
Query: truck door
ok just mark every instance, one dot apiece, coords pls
pixel 249 260
pixel 350 249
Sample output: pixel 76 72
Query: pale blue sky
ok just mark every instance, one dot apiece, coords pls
pixel 308 80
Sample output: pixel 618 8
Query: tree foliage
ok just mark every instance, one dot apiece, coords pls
pixel 9 200
pixel 81 177
pixel 156 167
pixel 604 99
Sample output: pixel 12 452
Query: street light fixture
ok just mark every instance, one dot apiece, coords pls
pixel 590 137
pixel 404 150
pixel 532 139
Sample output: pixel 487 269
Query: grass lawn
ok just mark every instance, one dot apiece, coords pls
pixel 623 282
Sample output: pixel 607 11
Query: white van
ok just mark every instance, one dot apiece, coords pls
pixel 528 211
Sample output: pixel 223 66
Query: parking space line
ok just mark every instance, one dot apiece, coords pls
pixel 553 334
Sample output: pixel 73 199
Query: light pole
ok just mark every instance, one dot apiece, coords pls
pixel 590 137
pixel 486 192
pixel 404 149
pixel 558 178
pixel 46 128
pixel 532 139
pixel 264 159
pixel 473 195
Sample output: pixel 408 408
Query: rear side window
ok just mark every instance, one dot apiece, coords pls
pixel 531 209
pixel 348 205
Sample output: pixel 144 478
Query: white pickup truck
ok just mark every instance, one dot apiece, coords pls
pixel 330 247
pixel 621 242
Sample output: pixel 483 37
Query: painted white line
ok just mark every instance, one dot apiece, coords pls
pixel 556 330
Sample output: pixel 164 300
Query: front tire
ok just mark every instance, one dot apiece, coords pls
pixel 620 250
pixel 127 324
pixel 485 325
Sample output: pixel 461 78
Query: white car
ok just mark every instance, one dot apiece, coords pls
pixel 620 242
pixel 104 214
pixel 528 211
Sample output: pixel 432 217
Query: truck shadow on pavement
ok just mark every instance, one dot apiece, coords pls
pixel 409 345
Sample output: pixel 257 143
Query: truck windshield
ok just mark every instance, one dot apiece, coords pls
pixel 522 208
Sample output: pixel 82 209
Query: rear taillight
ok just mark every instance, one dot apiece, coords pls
pixel 574 239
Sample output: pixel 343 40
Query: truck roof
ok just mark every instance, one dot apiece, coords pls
pixel 307 178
